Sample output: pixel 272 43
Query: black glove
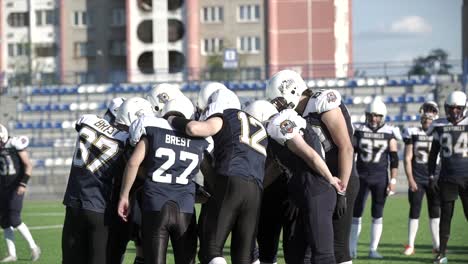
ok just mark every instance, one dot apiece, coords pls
pixel 341 205
pixel 433 185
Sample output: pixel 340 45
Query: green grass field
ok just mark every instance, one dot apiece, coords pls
pixel 45 220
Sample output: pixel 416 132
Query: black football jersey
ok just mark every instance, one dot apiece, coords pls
pixel 421 143
pixel 373 150
pixel 303 182
pixel 11 167
pixel 97 160
pixel 453 141
pixel 240 146
pixel 172 160
pixel 319 103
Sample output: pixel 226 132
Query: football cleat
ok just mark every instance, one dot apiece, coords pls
pixel 9 259
pixel 35 253
pixel 409 250
pixel 373 254
pixel 440 259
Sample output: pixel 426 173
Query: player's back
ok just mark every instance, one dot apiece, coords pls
pixel 240 146
pixel 453 140
pixel 172 161
pixel 11 167
pixel 97 160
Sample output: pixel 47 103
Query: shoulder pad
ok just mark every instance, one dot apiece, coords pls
pixel 285 125
pixel 323 101
pixel 20 142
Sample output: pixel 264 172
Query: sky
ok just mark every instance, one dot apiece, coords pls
pixel 400 30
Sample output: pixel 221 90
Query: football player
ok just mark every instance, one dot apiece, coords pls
pixel 417 147
pixel 274 200
pixel 171 160
pixel 15 172
pixel 120 232
pixel 450 139
pixel 330 119
pixel 376 150
pixel 311 187
pixel 239 157
pixel 99 157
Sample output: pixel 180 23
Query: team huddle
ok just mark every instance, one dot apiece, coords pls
pixel 292 164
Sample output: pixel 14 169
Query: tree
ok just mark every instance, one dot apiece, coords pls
pixel 434 63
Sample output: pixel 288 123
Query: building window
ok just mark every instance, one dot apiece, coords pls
pixel 46 50
pixel 118 17
pixel 18 19
pixel 45 17
pixel 117 48
pixel 85 77
pixel 248 13
pixel 82 19
pixel 11 50
pixel 212 46
pixel 248 44
pixel 84 49
pixel 18 49
pixel 212 14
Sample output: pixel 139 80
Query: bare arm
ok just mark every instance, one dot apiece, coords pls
pixel 336 124
pixel 393 147
pixel 409 167
pixel 129 176
pixel 204 128
pixel 24 156
pixel 299 147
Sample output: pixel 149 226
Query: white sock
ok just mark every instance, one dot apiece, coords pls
pixel 10 241
pixel 347 262
pixel 256 262
pixel 413 225
pixel 24 231
pixel 355 232
pixel 434 227
pixel 268 263
pixel 218 260
pixel 376 233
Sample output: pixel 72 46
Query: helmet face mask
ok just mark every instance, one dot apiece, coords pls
pixel 287 84
pixel 455 106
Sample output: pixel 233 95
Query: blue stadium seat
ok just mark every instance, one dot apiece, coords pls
pixel 65 107
pixel 392 83
pixel 57 124
pixel 348 100
pixel 400 99
pixel 396 118
pixel 420 99
pixel 409 99
pixel 352 83
pixel 36 108
pixel 19 125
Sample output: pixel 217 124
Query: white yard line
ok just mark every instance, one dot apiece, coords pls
pixel 45 214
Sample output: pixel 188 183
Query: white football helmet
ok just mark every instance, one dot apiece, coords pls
pixel 287 84
pixel 455 99
pixel 429 110
pixel 161 94
pixel 181 105
pixel 206 91
pixel 262 110
pixel 113 108
pixel 132 109
pixel 3 134
pixel 377 107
